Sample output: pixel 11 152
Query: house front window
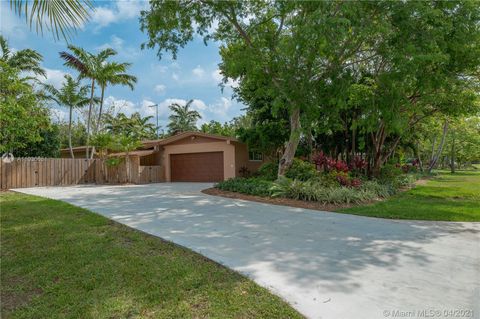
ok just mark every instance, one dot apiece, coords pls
pixel 255 156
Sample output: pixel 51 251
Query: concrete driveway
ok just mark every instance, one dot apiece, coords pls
pixel 326 265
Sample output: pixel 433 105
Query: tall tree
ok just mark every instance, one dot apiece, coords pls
pixel 23 116
pixel 89 66
pixel 298 45
pixel 182 118
pixel 112 73
pixel 71 95
pixel 26 60
pixel 62 18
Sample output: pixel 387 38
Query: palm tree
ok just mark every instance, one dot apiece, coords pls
pixel 89 66
pixel 135 126
pixel 112 73
pixel 61 17
pixel 72 95
pixel 26 60
pixel 183 118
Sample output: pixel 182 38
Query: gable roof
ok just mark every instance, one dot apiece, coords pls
pixel 183 135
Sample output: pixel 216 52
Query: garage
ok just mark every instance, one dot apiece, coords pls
pixel 197 167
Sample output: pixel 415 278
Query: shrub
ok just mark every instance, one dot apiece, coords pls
pixel 250 186
pixel 301 170
pixel 268 171
pixel 389 173
pixel 313 191
pixel 380 190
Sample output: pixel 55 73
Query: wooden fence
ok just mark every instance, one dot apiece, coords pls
pixel 31 172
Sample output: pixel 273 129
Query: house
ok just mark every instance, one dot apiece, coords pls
pixel 195 157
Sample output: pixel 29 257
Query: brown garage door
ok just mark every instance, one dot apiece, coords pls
pixel 197 167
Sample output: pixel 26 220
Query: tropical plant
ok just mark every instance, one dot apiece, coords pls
pixel 125 144
pixel 26 60
pixel 182 118
pixel 89 66
pixel 135 126
pixel 23 117
pixel 71 95
pixel 112 73
pixel 215 127
pixel 61 17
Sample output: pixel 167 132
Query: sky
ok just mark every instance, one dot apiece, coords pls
pixel 193 75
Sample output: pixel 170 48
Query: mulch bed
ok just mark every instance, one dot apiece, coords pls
pixel 277 201
pixel 280 201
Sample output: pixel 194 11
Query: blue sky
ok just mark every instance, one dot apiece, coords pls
pixel 194 75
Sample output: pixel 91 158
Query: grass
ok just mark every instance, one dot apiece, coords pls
pixel 61 261
pixel 446 197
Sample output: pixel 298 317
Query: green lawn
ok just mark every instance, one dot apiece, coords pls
pixel 61 261
pixel 447 197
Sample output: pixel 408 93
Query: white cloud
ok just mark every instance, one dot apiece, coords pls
pixel 119 11
pixel 218 78
pixel 11 25
pixel 117 43
pixel 58 115
pixel 160 89
pixel 55 77
pixel 221 107
pixel 198 71
pixel 175 77
pixel 221 110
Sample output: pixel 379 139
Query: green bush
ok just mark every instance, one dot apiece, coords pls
pixel 380 190
pixel 268 171
pixel 250 186
pixel 301 170
pixel 314 191
pixel 389 173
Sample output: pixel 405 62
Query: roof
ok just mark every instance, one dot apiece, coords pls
pixel 76 148
pixel 134 153
pixel 183 135
pixel 168 140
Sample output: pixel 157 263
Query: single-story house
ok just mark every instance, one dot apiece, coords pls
pixel 195 157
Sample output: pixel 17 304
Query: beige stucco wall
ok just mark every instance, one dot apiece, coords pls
pixel 241 159
pixel 227 148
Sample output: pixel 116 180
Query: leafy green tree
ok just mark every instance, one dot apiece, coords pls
pixel 61 17
pixel 298 46
pixel 182 118
pixel 126 144
pixel 71 95
pixel 135 126
pixel 48 146
pixel 215 127
pixel 22 115
pixel 26 60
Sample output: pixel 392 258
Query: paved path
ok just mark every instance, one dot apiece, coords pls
pixel 326 265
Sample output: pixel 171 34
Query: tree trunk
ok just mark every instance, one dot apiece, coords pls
pixel 100 109
pixel 440 148
pixel 432 154
pixel 310 142
pixel 452 155
pixel 70 132
pixel 89 117
pixel 292 144
pixel 420 163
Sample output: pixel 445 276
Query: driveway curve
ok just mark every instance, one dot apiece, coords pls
pixel 326 265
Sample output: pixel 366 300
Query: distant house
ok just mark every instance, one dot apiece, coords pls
pixel 193 157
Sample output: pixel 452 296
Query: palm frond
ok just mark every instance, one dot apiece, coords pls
pixel 61 17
